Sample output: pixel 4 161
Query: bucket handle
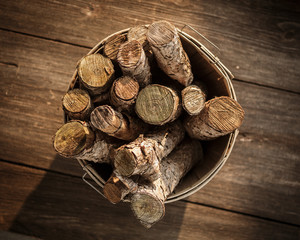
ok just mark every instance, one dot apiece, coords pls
pixel 91 185
pixel 201 35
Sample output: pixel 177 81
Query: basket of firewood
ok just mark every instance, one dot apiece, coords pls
pixel 151 116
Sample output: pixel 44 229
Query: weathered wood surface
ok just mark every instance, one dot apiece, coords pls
pixel 259 43
pixel 268 143
pixel 53 206
pixel 264 36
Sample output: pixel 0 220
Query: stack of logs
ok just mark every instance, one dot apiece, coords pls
pixel 134 103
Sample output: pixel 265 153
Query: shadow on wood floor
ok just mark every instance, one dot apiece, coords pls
pixel 64 207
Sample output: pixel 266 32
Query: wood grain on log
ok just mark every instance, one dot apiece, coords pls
pixel 220 116
pixel 169 53
pixel 75 139
pixel 115 124
pixel 193 99
pixel 147 202
pixel 134 63
pixel 118 187
pixel 139 33
pixel 157 104
pixel 96 73
pixel 143 155
pixel 123 93
pixel 112 45
pixel 77 104
pixel 72 138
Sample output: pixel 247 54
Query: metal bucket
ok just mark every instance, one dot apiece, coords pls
pixel 208 68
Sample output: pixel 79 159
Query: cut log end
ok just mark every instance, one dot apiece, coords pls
pixel 220 116
pixel 224 114
pixel 129 54
pixel 126 88
pixel 125 162
pixel 138 33
pixel 77 103
pixel 72 138
pixel 133 62
pixel 157 104
pixel 112 45
pixel 113 189
pixel 124 92
pixel 193 99
pixel 147 208
pixel 161 32
pixel 95 72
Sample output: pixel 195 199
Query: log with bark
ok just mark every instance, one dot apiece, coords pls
pixel 117 187
pixel 116 124
pixel 112 45
pixel 169 53
pixel 77 104
pixel 157 104
pixel 96 73
pixel 134 63
pixel 123 93
pixel 75 139
pixel 147 202
pixel 139 33
pixel 220 116
pixel 193 99
pixel 143 155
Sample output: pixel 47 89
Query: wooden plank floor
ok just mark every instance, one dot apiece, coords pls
pixel 257 193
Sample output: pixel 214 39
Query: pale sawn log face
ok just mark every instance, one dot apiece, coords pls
pixel 134 63
pixel 169 53
pixel 73 138
pixel 77 104
pixel 157 104
pixel 96 73
pixel 193 99
pixel 220 116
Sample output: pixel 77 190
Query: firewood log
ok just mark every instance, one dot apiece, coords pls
pixel 96 73
pixel 77 104
pixel 76 140
pixel 139 33
pixel 220 116
pixel 118 187
pixel 112 45
pixel 147 202
pixel 123 93
pixel 115 124
pixel 134 63
pixel 157 104
pixel 143 155
pixel 169 53
pixel 193 99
